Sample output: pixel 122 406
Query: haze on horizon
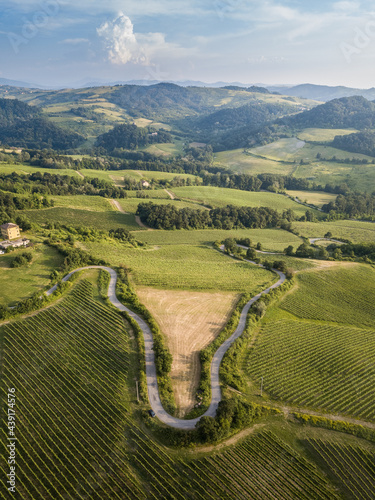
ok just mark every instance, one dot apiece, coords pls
pixel 58 42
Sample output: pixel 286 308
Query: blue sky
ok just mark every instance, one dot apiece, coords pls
pixel 276 42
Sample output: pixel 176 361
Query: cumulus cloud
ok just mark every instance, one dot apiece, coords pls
pixel 124 46
pixel 121 43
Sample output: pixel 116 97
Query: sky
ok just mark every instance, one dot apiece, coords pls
pixel 66 42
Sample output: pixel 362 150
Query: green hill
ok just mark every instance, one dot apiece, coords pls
pixel 22 125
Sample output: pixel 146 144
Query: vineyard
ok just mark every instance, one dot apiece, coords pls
pixel 317 366
pixel 220 197
pixel 77 437
pixel 261 467
pixel 271 239
pixel 185 267
pixel 353 467
pixel 330 296
pixel 69 365
pixel 89 218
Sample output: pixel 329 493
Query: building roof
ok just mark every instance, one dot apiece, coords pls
pixel 9 225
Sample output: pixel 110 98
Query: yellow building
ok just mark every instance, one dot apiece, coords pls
pixel 10 231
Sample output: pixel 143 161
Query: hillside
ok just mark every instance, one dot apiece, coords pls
pixel 348 112
pixel 22 125
pixel 362 142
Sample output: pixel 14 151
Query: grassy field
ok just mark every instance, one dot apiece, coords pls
pixel 221 197
pixel 75 217
pixel 21 282
pixel 355 231
pixel 190 321
pixel 317 198
pixel 283 149
pixel 240 161
pixel 323 134
pixel 8 168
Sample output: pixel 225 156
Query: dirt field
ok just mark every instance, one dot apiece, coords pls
pixel 190 321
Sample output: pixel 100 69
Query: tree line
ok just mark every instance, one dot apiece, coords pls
pixel 230 217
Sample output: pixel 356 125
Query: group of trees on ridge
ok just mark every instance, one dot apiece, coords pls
pixel 230 217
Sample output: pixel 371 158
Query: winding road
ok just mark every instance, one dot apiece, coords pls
pixel 152 384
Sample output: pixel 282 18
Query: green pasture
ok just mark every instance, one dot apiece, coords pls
pixel 317 198
pixel 21 282
pixel 323 134
pixel 9 168
pixel 239 160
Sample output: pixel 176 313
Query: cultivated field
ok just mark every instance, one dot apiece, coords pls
pixel 316 365
pixel 185 267
pixel 220 197
pixel 83 202
pixel 89 218
pixel 330 295
pixel 353 467
pixel 190 321
pixel 272 239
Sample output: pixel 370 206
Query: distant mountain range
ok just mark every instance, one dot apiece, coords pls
pixel 322 93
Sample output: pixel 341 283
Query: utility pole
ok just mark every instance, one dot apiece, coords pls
pixel 136 383
pixel 261 388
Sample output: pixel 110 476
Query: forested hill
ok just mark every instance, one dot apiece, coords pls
pixel 348 112
pixel 13 111
pixel 361 142
pixel 252 115
pixel 131 137
pixel 22 125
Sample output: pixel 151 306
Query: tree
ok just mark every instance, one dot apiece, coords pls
pixel 260 308
pixel 328 235
pixel 230 245
pixel 289 250
pixel 251 254
pixel 259 246
pixel 208 429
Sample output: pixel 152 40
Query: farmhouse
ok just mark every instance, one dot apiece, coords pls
pixel 145 184
pixel 10 231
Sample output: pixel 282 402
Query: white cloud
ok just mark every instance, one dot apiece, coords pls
pixel 124 46
pixel 120 40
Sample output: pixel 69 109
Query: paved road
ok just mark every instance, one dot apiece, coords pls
pixel 314 240
pixel 152 384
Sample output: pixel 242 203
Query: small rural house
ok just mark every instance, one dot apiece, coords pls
pixel 10 231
